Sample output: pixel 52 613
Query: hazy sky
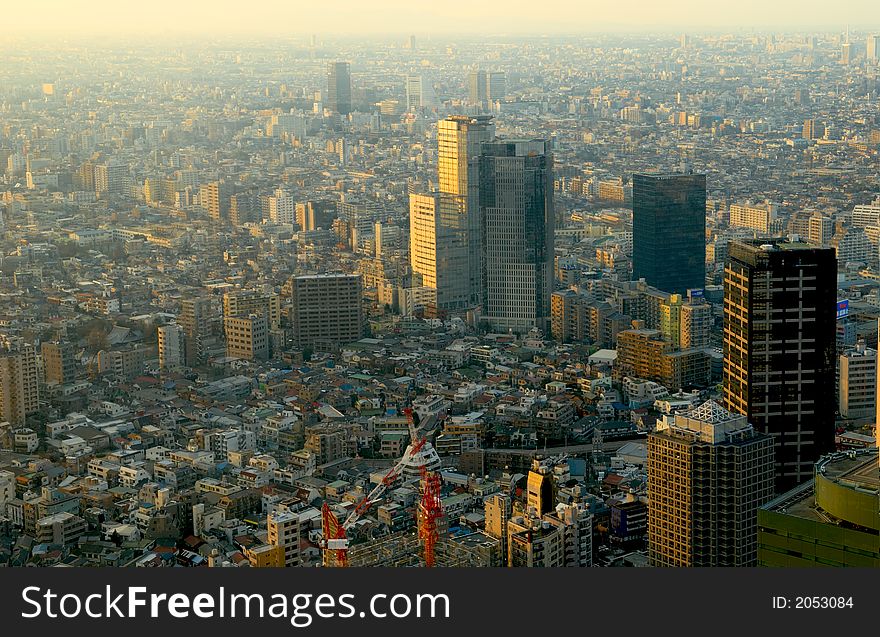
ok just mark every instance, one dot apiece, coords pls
pixel 370 17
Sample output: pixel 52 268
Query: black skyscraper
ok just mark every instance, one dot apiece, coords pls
pixel 669 231
pixel 780 301
pixel 339 87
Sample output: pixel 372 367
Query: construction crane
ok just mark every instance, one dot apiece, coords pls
pixel 430 512
pixel 335 543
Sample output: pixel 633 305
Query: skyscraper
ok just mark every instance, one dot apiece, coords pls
pixel 459 141
pixel 780 301
pixel 669 231
pixel 516 206
pixel 439 247
pixel 872 47
pixel 339 87
pixel 708 473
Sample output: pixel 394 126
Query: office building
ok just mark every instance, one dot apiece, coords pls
pixel 459 143
pixel 327 310
pixel 857 383
pixel 780 299
pixel 516 206
pixel 59 362
pixel 19 383
pixel 831 519
pixel 439 248
pixel 247 337
pixel 708 473
pixel 172 346
pixel 669 231
pixel 339 87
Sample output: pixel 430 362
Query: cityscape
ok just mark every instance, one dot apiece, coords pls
pixel 598 300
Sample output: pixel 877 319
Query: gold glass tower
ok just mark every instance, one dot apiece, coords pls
pixel 459 139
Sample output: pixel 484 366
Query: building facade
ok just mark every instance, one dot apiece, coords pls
pixel 780 300
pixel 669 231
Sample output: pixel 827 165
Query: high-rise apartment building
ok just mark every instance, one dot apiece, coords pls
pixel 247 337
pixel 111 179
pixel 857 382
pixel 282 207
pixel 708 473
pixel 214 198
pixel 305 216
pixel 643 353
pixel 19 383
pixel 459 143
pixel 339 87
pixel 327 310
pixel 59 362
pixel 754 217
pixel 196 316
pixel 820 229
pixel 172 346
pixel 686 323
pixel 669 231
pixel 239 303
pixel 516 206
pixel 780 299
pixel 439 248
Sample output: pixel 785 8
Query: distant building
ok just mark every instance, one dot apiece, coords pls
pixel 669 231
pixel 339 87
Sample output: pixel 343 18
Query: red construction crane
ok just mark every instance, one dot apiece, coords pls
pixel 430 511
pixel 335 542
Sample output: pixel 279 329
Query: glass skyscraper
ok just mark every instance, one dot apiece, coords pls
pixel 516 205
pixel 339 87
pixel 669 231
pixel 459 141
